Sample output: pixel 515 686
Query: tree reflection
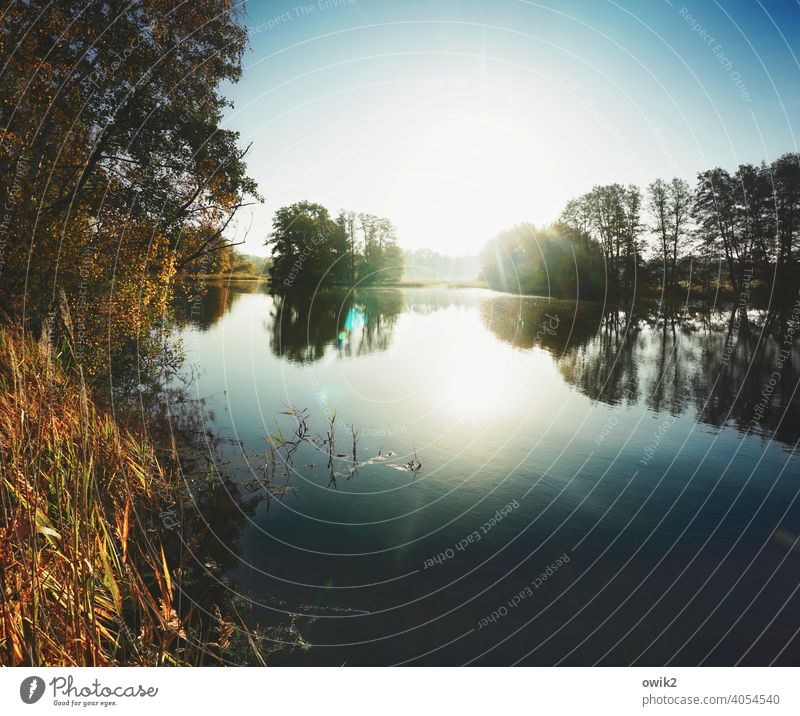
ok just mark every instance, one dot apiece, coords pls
pixel 605 368
pixel 304 325
pixel 553 325
pixel 728 366
pixel 754 388
pixel 203 304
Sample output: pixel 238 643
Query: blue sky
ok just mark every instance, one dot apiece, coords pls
pixel 458 118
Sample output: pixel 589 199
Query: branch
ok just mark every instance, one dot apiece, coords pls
pixel 206 246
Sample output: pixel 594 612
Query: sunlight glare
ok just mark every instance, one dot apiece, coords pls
pixel 474 178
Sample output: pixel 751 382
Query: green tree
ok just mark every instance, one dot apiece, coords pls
pixel 347 221
pixel 556 261
pixel 308 246
pixel 611 215
pixel 383 260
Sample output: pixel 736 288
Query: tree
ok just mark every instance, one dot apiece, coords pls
pixel 785 175
pixel 347 220
pixel 578 214
pixel 112 153
pixel 307 245
pixel 604 204
pixel 557 261
pixel 658 204
pixel 748 222
pixel 631 232
pixel 384 260
pixel 669 204
pixel 756 210
pixel 611 216
pixel 719 222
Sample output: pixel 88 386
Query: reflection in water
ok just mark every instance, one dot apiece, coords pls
pixel 303 325
pixel 736 370
pixel 730 368
pixel 755 387
pixel 203 304
pixel 582 415
pixel 552 324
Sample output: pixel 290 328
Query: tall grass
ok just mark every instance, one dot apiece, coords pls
pixel 85 579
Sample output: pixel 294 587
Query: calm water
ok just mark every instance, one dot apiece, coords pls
pixel 593 487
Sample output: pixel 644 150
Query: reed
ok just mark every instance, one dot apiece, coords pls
pixel 85 578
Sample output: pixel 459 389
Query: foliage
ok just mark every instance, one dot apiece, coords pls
pixel 309 248
pixel 378 258
pixel 734 230
pixel 113 162
pixel 232 263
pixel 611 216
pixel 557 260
pixel 115 177
pixel 751 219
pixel 670 205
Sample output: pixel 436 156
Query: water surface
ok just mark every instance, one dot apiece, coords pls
pixel 535 481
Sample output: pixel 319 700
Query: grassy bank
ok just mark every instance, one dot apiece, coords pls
pixel 85 578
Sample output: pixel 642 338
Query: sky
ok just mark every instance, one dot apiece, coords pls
pixel 457 119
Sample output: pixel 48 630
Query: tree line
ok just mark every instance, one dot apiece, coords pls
pixel 311 247
pixel 232 263
pixel 729 231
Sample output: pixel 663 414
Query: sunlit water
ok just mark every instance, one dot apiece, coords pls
pixel 593 487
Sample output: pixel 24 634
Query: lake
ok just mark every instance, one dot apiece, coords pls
pixel 457 476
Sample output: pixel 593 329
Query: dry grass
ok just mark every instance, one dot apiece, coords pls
pixel 84 579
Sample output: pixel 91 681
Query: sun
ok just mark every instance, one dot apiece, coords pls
pixel 473 178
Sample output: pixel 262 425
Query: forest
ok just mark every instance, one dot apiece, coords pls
pixel 728 233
